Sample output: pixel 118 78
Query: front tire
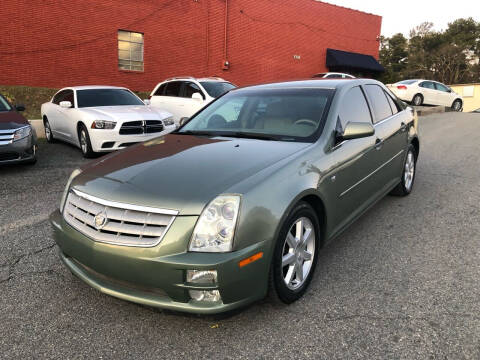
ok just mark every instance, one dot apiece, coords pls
pixel 295 255
pixel 48 131
pixel 405 186
pixel 417 100
pixel 457 105
pixel 85 144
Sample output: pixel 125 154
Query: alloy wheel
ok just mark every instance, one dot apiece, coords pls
pixel 48 132
pixel 409 171
pixel 83 141
pixel 298 253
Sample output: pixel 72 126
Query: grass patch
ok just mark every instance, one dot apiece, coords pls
pixel 34 97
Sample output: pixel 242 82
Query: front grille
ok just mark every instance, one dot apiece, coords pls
pixel 141 127
pixel 8 156
pixel 125 224
pixel 6 136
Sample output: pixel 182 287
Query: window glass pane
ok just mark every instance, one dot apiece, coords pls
pixel 4 105
pixel 216 88
pixel 130 50
pixel 441 87
pixel 354 108
pixel 190 88
pixel 69 97
pixel 427 85
pixel 106 97
pixel 161 90
pixel 173 88
pixel 123 35
pixel 283 114
pixel 381 108
pixel 392 103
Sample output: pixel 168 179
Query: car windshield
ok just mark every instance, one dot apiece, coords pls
pixel 4 105
pixel 216 88
pixel 269 114
pixel 407 82
pixel 106 97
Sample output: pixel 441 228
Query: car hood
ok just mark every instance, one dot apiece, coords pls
pixel 11 120
pixel 126 112
pixel 180 172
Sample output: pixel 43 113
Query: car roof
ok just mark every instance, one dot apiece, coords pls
pixel 91 87
pixel 311 83
pixel 191 78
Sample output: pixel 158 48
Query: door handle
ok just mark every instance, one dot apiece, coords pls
pixel 403 127
pixel 378 144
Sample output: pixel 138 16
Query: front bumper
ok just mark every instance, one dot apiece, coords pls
pixel 109 140
pixel 19 151
pixel 156 276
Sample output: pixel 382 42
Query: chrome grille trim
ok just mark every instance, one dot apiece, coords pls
pixel 127 224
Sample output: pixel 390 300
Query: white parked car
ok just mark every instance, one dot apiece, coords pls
pixel 333 75
pixel 427 92
pixel 184 96
pixel 102 118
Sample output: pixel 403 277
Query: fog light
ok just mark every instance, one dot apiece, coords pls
pixel 203 277
pixel 204 295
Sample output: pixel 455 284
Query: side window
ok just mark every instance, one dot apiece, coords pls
pixel 393 104
pixel 161 90
pixel 173 88
pixel 189 88
pixel 354 108
pixel 441 87
pixel 381 107
pixel 427 85
pixel 69 97
pixel 58 97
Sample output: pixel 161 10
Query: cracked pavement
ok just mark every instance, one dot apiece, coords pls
pixel 402 283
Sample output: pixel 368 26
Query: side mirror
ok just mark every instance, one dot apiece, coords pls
pixel 65 104
pixel 356 130
pixel 197 96
pixel 184 120
pixel 20 107
pixel 147 102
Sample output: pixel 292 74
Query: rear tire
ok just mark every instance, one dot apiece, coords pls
pixel 85 144
pixel 417 100
pixel 405 186
pixel 457 105
pixel 295 255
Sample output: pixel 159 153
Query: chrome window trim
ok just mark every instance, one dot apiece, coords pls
pixel 373 172
pixel 126 206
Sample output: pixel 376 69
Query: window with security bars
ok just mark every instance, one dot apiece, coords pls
pixel 130 50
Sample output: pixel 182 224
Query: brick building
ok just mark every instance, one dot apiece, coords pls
pixel 137 43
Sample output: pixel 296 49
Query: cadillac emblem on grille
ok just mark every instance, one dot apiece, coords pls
pixel 101 220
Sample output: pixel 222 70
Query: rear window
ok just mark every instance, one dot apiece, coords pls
pixel 216 88
pixel 407 82
pixel 4 105
pixel 381 107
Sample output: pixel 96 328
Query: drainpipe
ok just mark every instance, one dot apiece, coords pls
pixel 226 63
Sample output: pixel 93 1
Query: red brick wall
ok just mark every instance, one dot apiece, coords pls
pixel 63 43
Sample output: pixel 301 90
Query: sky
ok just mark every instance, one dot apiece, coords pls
pixel 401 16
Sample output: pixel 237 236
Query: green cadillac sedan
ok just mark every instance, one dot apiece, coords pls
pixel 239 201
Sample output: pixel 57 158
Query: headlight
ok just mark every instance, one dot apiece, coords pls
pixel 22 133
pixel 168 121
pixel 74 174
pixel 215 228
pixel 103 124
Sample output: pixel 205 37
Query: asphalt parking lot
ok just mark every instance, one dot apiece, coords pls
pixel 403 282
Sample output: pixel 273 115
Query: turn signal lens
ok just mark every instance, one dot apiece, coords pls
pixel 250 259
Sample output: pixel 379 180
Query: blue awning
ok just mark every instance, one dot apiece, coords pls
pixel 338 59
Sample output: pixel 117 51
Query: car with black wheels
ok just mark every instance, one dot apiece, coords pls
pixel 18 140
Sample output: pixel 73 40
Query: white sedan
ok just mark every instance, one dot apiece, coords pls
pixel 102 118
pixel 427 92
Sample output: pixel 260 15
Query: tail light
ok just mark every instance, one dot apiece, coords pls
pixel 401 87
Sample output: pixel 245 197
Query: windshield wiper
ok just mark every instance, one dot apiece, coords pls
pixel 248 135
pixel 196 132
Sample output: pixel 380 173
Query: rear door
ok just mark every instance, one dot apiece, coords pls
pixel 167 97
pixel 55 116
pixel 391 137
pixel 429 92
pixel 444 95
pixel 66 124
